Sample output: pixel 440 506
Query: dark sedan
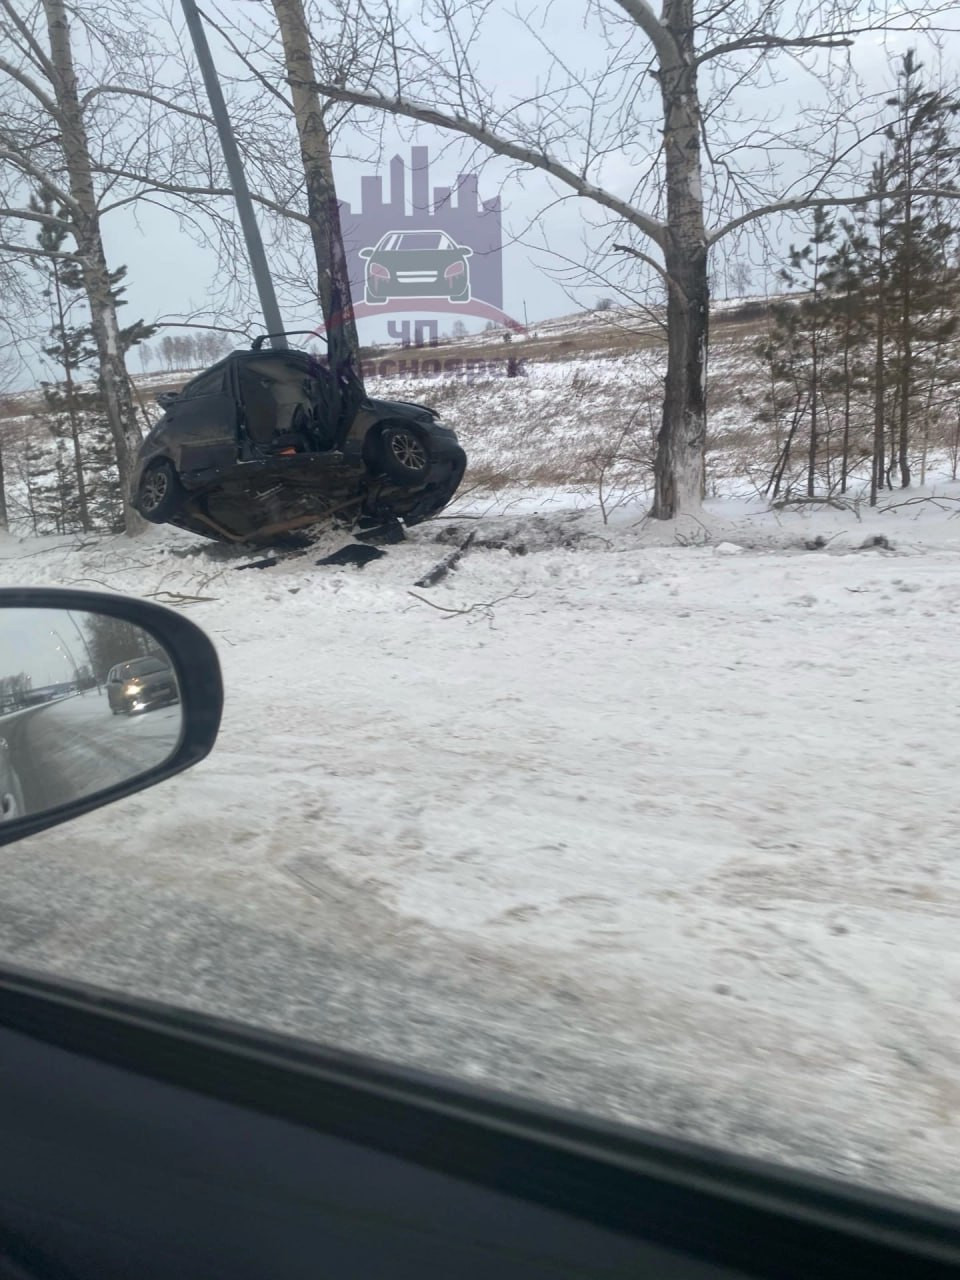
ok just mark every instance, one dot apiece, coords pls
pixel 266 442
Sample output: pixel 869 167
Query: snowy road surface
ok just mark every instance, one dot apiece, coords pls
pixel 71 748
pixel 668 833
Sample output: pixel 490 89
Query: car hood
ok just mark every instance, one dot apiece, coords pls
pixel 402 408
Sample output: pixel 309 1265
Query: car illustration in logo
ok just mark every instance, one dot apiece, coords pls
pixel 416 264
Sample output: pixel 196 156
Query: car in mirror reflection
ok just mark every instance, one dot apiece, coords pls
pixel 141 685
pixel 75 686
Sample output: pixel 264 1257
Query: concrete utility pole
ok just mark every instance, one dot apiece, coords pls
pixel 238 180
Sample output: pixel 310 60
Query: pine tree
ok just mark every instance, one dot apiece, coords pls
pixel 922 155
pixel 846 314
pixel 71 346
pixel 785 352
pixel 796 350
pixel 74 405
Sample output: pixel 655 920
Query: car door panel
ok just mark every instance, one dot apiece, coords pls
pixel 145 1142
pixel 111 1176
pixel 205 431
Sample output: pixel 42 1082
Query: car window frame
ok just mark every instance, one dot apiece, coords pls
pixel 195 389
pixel 437 248
pixel 709 1205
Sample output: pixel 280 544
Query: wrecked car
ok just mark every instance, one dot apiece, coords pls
pixel 269 441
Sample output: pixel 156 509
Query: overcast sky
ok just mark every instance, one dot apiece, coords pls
pixel 43 643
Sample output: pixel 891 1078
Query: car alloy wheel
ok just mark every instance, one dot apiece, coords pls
pixel 156 486
pixel 159 492
pixel 404 454
pixel 408 451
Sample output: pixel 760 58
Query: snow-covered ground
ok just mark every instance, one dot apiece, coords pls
pixel 660 821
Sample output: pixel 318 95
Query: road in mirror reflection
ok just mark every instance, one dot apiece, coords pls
pixel 86 701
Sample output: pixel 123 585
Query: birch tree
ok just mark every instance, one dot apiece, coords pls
pixel 323 211
pixel 690 100
pixel 44 141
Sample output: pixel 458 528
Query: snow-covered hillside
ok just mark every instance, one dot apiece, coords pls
pixel 659 822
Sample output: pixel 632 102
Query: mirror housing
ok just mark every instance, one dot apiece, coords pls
pixel 196 667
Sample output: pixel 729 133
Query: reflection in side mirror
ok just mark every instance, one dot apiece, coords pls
pixel 87 701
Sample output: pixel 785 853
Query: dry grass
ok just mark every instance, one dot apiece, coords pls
pixel 601 336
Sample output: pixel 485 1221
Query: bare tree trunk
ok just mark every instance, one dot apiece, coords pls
pixel 4 522
pixel 114 381
pixel 894 421
pixel 879 434
pixel 876 474
pixel 783 461
pixel 678 470
pixel 903 442
pixel 814 421
pixel 845 446
pixel 906 335
pixel 27 475
pixel 333 277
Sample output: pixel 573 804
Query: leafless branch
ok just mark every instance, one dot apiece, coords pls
pixel 502 146
pixel 800 203
pixel 25 251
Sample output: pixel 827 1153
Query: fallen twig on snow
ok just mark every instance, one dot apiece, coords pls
pixel 830 500
pixel 483 608
pixel 449 561
pixel 936 498
pixel 43 551
pixel 176 598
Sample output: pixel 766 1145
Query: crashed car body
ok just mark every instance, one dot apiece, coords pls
pixel 268 441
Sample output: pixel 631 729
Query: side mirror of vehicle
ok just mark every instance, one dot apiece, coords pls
pixel 100 696
pixel 364 253
pixel 166 398
pixel 465 250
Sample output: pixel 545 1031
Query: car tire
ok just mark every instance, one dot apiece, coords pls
pixel 160 492
pixel 403 454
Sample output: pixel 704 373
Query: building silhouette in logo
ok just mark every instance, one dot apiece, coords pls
pixel 456 212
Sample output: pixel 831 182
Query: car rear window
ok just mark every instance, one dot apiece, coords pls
pixel 208 384
pixel 411 241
